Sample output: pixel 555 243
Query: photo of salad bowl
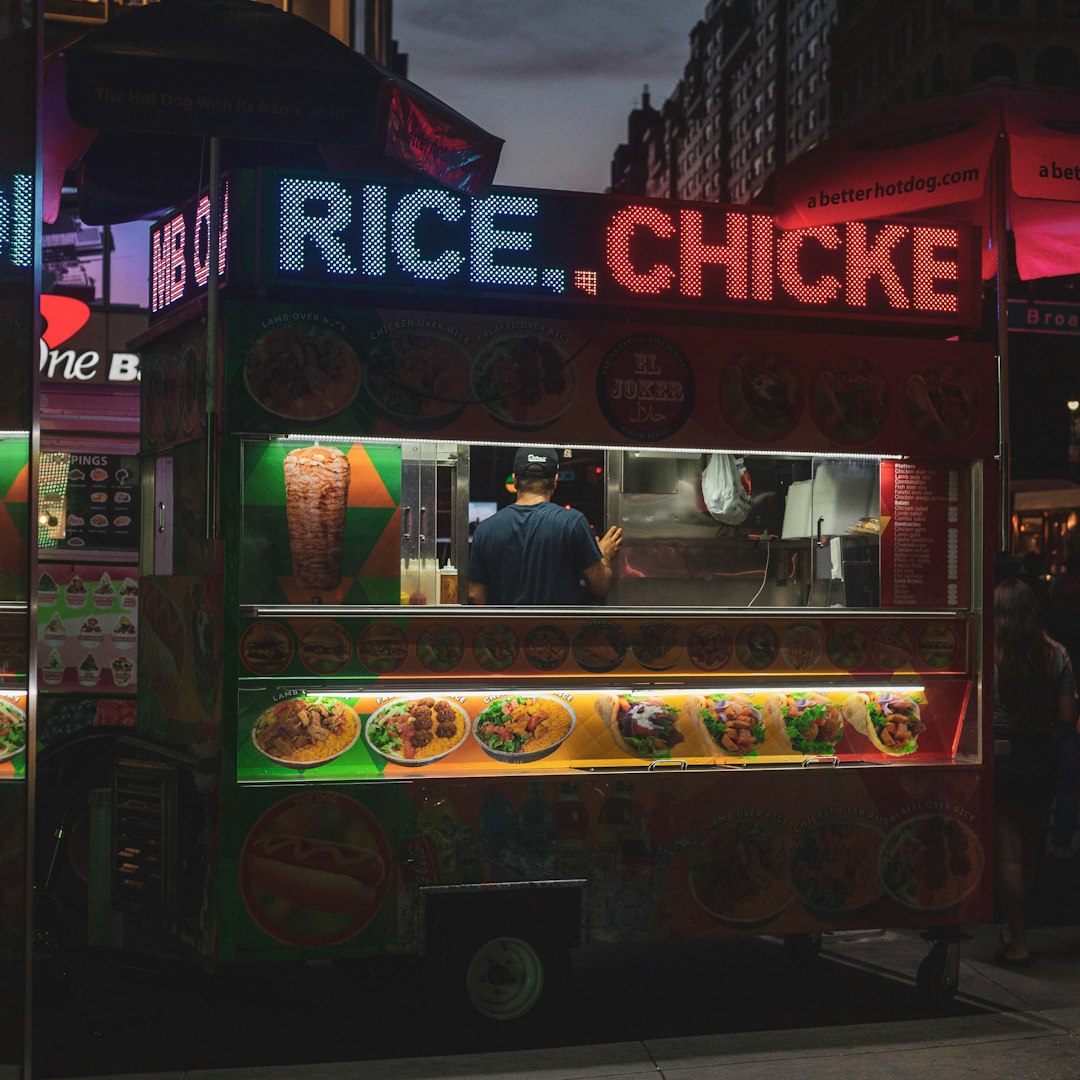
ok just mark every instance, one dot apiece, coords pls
pixel 416 731
pixel 518 729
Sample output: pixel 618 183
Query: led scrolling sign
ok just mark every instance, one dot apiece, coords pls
pixel 347 234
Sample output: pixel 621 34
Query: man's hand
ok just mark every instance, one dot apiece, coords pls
pixel 610 542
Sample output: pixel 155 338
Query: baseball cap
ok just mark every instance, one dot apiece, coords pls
pixel 536 463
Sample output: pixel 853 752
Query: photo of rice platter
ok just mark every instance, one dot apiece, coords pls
pixel 931 862
pixel 834 867
pixel 306 731
pixel 739 872
pixel 523 381
pixel 302 372
pixel 416 730
pixel 520 729
pixel 12 729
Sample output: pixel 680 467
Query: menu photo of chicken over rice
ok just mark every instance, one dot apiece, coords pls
pixel 849 399
pixel 418 377
pixel 761 394
pixel 302 371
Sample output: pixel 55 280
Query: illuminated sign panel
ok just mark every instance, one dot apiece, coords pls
pixel 16 221
pixel 354 233
pixel 180 252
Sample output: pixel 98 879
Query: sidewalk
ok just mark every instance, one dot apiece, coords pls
pixel 1011 1022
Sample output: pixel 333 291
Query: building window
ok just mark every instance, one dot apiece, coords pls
pixel 991 60
pixel 1057 66
pixel 937 75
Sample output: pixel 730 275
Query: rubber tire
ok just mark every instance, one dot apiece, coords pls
pixel 802 948
pixel 930 983
pixel 500 976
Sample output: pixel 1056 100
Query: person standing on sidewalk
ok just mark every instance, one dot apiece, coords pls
pixel 1064 626
pixel 1034 701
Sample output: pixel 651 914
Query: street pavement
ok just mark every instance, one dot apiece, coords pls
pixel 734 1009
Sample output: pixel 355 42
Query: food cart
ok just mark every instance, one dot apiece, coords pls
pixel 775 725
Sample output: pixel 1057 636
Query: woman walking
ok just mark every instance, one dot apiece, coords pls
pixel 1034 701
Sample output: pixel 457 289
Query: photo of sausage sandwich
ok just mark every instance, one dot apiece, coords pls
pixel 320 875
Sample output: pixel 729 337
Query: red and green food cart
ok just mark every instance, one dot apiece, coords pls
pixel 774 725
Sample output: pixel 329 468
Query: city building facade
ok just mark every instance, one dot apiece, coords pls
pixel 768 79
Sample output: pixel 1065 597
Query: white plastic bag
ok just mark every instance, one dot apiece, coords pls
pixel 725 486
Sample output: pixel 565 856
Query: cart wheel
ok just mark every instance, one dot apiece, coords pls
pixel 935 985
pixel 501 974
pixel 802 948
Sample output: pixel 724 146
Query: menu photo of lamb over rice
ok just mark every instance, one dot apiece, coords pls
pixel 302 370
pixel 316 495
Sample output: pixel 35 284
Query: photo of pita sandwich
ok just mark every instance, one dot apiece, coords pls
pixel 809 723
pixel 892 722
pixel 642 725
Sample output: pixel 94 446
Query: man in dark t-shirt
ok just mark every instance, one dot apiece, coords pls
pixel 534 552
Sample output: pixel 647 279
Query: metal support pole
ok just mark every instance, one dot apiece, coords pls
pixel 214 245
pixel 999 180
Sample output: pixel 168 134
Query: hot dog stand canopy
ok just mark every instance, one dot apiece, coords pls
pixel 773 725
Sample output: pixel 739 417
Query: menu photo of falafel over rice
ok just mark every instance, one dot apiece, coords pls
pixel 416 730
pixel 523 381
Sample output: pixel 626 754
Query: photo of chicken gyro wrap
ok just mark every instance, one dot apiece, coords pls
pixel 891 721
pixel 809 723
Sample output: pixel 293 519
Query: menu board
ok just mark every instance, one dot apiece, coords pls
pixel 924 549
pixel 101 507
pixel 87 628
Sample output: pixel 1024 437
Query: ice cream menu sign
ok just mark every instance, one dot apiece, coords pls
pixel 102 503
pixel 925 526
pixel 87 626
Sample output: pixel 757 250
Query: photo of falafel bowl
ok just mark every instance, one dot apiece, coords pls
pixel 416 730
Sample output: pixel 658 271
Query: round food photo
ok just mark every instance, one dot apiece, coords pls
pixel 941 399
pixel 801 646
pixel 931 862
pixel 302 371
pixel 656 645
pixel 599 646
pixel 739 872
pixel 761 394
pixel 710 647
pixel 546 647
pixel 756 646
pixel 12 729
pixel 849 399
pixel 733 722
pixel 519 729
pixel 325 647
pixel 523 381
pixel 834 867
pixel 495 647
pixel 306 731
pixel 416 730
pixel 419 378
pixel 382 647
pixel 641 725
